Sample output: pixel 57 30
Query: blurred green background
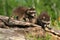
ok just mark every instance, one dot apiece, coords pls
pixel 52 6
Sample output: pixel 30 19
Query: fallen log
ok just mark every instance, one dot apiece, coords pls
pixel 16 22
pixel 30 27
